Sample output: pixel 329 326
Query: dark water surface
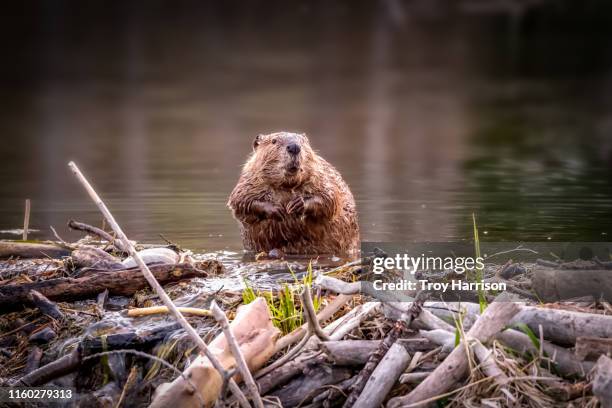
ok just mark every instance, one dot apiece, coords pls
pixel 431 112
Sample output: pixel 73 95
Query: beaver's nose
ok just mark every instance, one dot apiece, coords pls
pixel 293 148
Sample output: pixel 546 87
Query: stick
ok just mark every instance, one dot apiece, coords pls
pixel 309 310
pixel 147 311
pixel 220 317
pixel 383 377
pixel 26 219
pixel 81 226
pixel 153 282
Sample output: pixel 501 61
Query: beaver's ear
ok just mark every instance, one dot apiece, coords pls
pixel 256 141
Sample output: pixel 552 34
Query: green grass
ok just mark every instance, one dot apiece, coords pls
pixel 482 299
pixel 285 309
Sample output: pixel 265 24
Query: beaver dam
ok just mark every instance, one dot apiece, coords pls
pixel 195 330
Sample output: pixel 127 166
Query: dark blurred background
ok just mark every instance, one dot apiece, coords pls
pixel 431 110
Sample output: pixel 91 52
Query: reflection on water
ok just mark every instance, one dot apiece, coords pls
pixel 430 111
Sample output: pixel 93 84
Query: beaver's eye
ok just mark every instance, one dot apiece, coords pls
pixel 273 141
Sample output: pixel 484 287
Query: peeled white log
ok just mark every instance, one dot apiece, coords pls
pixel 153 256
pixel 384 377
pixel 602 381
pixel 256 336
pixel 564 326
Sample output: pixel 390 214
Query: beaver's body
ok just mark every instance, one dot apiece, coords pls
pixel 290 199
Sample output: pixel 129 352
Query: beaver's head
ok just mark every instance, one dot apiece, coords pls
pixel 283 159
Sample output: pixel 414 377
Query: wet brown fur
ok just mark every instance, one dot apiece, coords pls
pixel 298 204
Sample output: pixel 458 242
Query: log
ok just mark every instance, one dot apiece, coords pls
pixel 124 282
pixel 455 367
pixel 256 336
pixel 563 326
pixel 45 305
pixel 280 376
pixel 95 258
pixel 357 352
pixel 554 285
pixel 590 348
pixel 602 381
pixel 338 286
pixel 18 249
pixel 302 389
pixel 374 359
pixel 384 377
pixel 237 354
pixel 565 362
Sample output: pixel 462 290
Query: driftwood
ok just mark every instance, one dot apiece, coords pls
pixel 384 377
pixel 553 285
pixel 256 336
pixel 357 352
pixel 373 361
pixel 338 286
pixel 564 326
pixel 565 362
pixel 18 249
pixel 124 282
pixel 455 367
pixel 282 375
pixel 590 348
pixel 602 381
pixel 350 352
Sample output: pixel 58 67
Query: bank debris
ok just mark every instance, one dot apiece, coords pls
pixel 84 318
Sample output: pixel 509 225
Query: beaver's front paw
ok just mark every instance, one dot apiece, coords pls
pixel 275 212
pixel 296 206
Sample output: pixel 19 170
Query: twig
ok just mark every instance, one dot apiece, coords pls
pixel 309 310
pixel 220 317
pixel 100 233
pixel 128 383
pixel 59 238
pixel 153 282
pixel 26 219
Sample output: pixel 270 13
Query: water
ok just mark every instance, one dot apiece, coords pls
pixel 430 111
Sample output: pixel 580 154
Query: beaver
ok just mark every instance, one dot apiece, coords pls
pixel 288 198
